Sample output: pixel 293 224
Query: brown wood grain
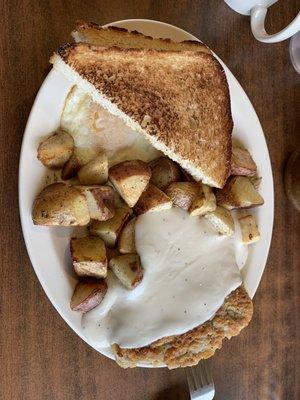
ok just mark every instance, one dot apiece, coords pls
pixel 40 356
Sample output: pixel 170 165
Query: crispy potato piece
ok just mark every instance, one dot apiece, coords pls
pixel 152 199
pixel 222 220
pixel 94 172
pixel 127 269
pixel 204 202
pixel 250 232
pixel 126 241
pixel 55 151
pixel 110 229
pixel 100 200
pixel 164 172
pixel 238 192
pixel 88 294
pixel 70 168
pixel 60 204
pixel 112 253
pixel 130 178
pixel 242 162
pixel 183 193
pixel 187 177
pixel 89 256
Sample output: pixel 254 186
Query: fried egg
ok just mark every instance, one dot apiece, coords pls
pixel 94 129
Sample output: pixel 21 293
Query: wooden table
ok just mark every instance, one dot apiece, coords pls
pixel 40 356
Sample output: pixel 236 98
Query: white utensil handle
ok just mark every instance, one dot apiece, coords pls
pixel 258 16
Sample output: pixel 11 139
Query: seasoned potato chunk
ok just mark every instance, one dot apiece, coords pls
pixel 60 204
pixel 100 200
pixel 183 194
pixel 164 172
pixel 126 241
pixel 250 232
pixel 204 202
pixel 130 178
pixel 110 229
pixel 94 172
pixel 222 220
pixel 242 162
pixel 88 294
pixel 127 269
pixel 238 192
pixel 111 253
pixel 152 199
pixel 70 168
pixel 55 151
pixel 89 256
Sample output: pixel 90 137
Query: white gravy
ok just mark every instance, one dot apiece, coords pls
pixel 189 269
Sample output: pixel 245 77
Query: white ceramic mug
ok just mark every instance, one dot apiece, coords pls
pixel 257 9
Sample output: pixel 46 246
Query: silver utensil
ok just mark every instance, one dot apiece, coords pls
pixel 200 381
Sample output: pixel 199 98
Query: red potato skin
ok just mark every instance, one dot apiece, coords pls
pixel 94 296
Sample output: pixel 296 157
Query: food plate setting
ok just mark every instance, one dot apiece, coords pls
pixel 60 104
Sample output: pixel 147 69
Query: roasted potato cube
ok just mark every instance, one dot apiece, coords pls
pixel 183 194
pixel 130 178
pixel 152 199
pixel 60 204
pixel 89 256
pixel 110 229
pixel 127 269
pixel 164 172
pixel 94 172
pixel 222 220
pixel 126 241
pixel 187 177
pixel 55 151
pixel 204 202
pixel 250 232
pixel 88 294
pixel 242 162
pixel 100 200
pixel 238 192
pixel 70 168
pixel 111 253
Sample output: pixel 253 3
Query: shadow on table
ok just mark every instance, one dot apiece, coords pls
pixel 173 393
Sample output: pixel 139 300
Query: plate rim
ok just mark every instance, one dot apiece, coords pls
pixel 22 151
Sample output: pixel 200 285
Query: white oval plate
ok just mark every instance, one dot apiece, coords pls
pixel 48 247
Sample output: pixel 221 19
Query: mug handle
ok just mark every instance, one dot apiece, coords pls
pixel 258 16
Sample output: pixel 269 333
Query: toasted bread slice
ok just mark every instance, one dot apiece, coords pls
pixel 250 232
pixel 222 220
pixel 89 256
pixel 239 192
pixel 88 294
pixel 109 230
pixel 130 178
pixel 127 269
pixel 183 194
pixel 112 36
pixel 152 199
pixel 62 205
pixel 179 100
